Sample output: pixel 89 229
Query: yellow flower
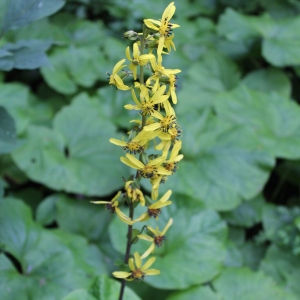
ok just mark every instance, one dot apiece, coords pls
pixel 164 123
pixel 174 133
pixel 159 72
pixel 157 238
pixel 154 209
pixel 147 104
pixel 134 193
pixel 137 60
pixel 138 271
pixel 112 206
pixel 164 27
pixel 171 163
pixel 150 170
pixel 172 88
pixel 169 43
pixel 137 144
pixel 115 79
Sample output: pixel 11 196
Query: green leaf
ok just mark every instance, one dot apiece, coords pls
pixel 75 155
pixel 73 66
pixel 236 26
pixel 82 217
pixel 104 288
pixel 46 211
pixel 246 214
pixel 281 41
pixel 19 13
pixel 274 119
pixel 283 267
pixel 236 284
pixel 79 294
pixel 194 250
pixel 14 97
pixel 266 80
pixel 226 159
pixel 199 292
pixel 280 224
pixel 199 92
pixel 58 261
pixel 25 54
pixel 8 139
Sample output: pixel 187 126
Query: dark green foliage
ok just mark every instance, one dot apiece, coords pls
pixel 236 231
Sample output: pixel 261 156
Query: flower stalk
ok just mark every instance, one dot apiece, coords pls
pixel 157 130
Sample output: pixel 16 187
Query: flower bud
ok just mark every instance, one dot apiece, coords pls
pixel 131 35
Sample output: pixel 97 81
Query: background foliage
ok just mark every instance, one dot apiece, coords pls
pixel 236 194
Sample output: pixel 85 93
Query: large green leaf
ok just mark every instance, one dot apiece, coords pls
pixel 266 80
pixel 212 74
pixel 281 225
pixel 80 294
pixel 19 13
pixel 73 66
pixel 237 284
pixel 223 164
pixel 281 41
pixel 194 251
pixel 7 132
pixel 52 263
pixel 246 214
pixel 14 97
pixel 274 119
pixel 75 155
pixel 25 54
pixel 284 267
pixel 199 292
pixel 236 26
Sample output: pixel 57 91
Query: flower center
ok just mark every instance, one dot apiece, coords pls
pixel 149 171
pixel 136 61
pixel 147 109
pixel 171 167
pixel 137 275
pixel 133 147
pixel 159 240
pixel 154 212
pixel 175 132
pixel 167 122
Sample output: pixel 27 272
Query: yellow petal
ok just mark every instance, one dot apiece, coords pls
pixel 148 263
pixel 135 161
pixel 118 142
pixel 137 259
pixel 121 274
pixel 131 264
pixel 160 204
pixel 152 272
pixel 148 251
pixel 166 196
pixel 127 52
pixel 145 237
pixel 135 51
pixel 152 127
pixel 169 11
pixel 118 66
pixel 149 24
pixel 170 222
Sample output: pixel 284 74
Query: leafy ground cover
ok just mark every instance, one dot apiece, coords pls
pixel 236 194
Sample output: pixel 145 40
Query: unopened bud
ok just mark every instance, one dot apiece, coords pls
pixel 131 35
